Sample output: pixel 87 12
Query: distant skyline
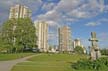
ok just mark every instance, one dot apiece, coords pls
pixel 82 16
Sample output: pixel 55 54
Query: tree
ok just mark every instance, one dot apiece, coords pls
pixel 18 34
pixel 79 49
pixel 7 35
pixel 104 51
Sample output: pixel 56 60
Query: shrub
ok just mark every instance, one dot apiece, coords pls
pixel 98 65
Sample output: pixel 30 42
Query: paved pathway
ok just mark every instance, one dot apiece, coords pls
pixel 7 65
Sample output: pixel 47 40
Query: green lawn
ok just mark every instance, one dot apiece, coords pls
pixel 4 57
pixel 49 62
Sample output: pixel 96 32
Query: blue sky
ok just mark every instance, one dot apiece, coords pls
pixel 82 16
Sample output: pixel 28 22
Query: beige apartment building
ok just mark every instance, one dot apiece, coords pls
pixel 19 11
pixel 42 35
pixel 65 39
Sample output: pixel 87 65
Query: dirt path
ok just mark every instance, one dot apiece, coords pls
pixel 7 65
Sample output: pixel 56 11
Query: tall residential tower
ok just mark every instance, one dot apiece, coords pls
pixel 19 11
pixel 42 35
pixel 65 39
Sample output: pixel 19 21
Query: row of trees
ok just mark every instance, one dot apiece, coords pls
pixel 104 51
pixel 17 34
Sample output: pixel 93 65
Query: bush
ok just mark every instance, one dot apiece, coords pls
pixel 79 50
pixel 97 65
pixel 104 51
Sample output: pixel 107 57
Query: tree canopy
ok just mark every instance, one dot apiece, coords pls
pixel 17 34
pixel 79 49
pixel 104 51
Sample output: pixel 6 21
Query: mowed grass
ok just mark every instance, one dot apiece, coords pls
pixel 5 57
pixel 49 62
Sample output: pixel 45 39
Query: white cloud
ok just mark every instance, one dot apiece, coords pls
pixel 58 13
pixel 51 15
pixel 65 10
pixel 92 24
pixel 67 5
pixel 72 10
pixel 53 24
pixel 97 22
pixel 69 11
pixel 48 6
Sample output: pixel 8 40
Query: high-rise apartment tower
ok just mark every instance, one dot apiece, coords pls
pixel 42 36
pixel 65 39
pixel 19 11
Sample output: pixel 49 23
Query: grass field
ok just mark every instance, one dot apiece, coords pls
pixel 4 57
pixel 49 62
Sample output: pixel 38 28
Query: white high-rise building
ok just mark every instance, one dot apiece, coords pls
pixel 19 11
pixel 42 36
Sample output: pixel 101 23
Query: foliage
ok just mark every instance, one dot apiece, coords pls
pixel 18 34
pixel 97 65
pixel 79 50
pixel 104 51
